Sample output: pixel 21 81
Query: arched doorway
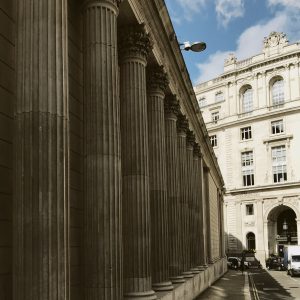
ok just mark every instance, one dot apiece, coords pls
pixel 250 241
pixel 282 229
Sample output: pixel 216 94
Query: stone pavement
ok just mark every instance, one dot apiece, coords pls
pixel 233 285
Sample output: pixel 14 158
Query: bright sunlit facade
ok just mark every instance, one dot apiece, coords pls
pixel 257 142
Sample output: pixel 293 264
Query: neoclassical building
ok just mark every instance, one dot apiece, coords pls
pixel 109 186
pixel 252 113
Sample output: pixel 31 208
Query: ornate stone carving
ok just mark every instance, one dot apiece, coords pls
pixel 190 138
pixel 275 39
pixel 172 105
pixel 156 78
pixel 134 42
pixel 182 123
pixel 197 150
pixel 231 59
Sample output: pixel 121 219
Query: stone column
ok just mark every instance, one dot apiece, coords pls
pixel 134 49
pixel 41 153
pixel 207 216
pixel 190 230
pixel 197 199
pixel 182 128
pixel 156 85
pixel 173 189
pixel 102 155
pixel 203 224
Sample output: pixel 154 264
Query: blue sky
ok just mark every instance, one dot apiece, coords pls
pixel 230 26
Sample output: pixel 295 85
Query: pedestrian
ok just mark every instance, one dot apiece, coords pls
pixel 242 264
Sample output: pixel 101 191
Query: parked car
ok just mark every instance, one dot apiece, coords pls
pixel 275 263
pixel 235 263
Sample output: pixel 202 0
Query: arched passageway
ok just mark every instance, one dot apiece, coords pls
pixel 282 229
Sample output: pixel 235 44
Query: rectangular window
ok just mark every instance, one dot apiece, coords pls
pixel 247 168
pixel 246 133
pixel 219 97
pixel 215 116
pixel 202 102
pixel 277 127
pixel 213 140
pixel 279 164
pixel 247 159
pixel 249 209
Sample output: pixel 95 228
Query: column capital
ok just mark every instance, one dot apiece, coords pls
pixel 92 3
pixel 190 138
pixel 197 151
pixel 157 79
pixel 182 124
pixel 172 106
pixel 134 42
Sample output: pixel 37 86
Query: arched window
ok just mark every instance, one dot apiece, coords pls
pixel 247 100
pixel 250 241
pixel 277 91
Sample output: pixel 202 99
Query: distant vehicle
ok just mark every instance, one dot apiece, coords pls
pixel 291 259
pixel 275 263
pixel 235 262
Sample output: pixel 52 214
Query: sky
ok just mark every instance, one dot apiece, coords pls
pixel 229 26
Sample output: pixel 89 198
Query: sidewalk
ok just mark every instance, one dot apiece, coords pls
pixel 233 285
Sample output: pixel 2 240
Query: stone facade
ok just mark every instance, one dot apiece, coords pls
pixel 108 178
pixel 251 111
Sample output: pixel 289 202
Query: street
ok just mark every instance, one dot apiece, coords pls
pixel 254 284
pixel 273 285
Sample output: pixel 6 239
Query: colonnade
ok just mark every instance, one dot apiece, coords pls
pixel 143 169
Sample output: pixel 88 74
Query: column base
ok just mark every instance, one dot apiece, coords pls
pixel 195 270
pixel 187 274
pixel 202 268
pixel 163 286
pixel 177 279
pixel 148 295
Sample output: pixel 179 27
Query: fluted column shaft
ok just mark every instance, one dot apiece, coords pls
pixel 197 218
pixel 156 85
pixel 102 155
pixel 41 153
pixel 134 47
pixel 190 140
pixel 174 208
pixel 182 127
pixel 202 208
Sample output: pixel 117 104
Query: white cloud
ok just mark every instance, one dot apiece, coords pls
pixel 191 7
pixel 286 3
pixel 213 67
pixel 250 42
pixel 228 10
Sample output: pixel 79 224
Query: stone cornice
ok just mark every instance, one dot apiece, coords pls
pixel 250 190
pixel 247 120
pixel 222 79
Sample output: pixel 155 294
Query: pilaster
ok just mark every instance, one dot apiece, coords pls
pixel 102 153
pixel 41 153
pixel 134 48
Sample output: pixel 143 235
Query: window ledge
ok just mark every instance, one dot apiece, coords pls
pixel 277 138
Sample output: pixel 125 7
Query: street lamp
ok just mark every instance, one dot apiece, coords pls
pixel 195 47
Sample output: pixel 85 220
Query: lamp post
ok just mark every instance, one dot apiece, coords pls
pixel 285 228
pixel 195 47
